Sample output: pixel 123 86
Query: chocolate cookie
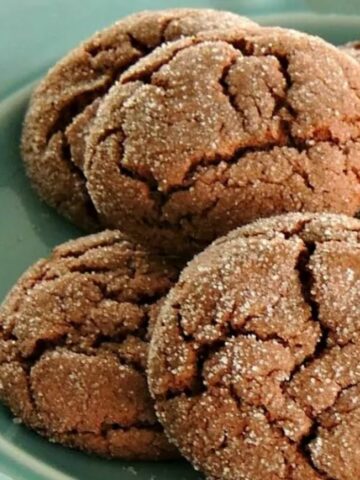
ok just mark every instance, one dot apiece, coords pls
pixel 352 48
pixel 212 132
pixel 63 105
pixel 255 360
pixel 73 346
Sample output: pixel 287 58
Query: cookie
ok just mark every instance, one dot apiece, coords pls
pixel 212 132
pixel 255 360
pixel 63 105
pixel 352 49
pixel 73 346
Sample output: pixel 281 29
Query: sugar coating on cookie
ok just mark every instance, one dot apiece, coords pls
pixel 64 104
pixel 352 49
pixel 255 360
pixel 73 346
pixel 209 133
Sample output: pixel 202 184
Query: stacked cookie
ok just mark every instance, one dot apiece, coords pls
pixel 64 105
pixel 179 144
pixel 174 128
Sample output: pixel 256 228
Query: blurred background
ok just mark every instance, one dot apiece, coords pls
pixel 34 33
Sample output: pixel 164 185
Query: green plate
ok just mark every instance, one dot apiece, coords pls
pixel 28 230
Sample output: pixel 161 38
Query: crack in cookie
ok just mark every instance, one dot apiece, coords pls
pixel 254 362
pixel 63 106
pixel 73 346
pixel 237 125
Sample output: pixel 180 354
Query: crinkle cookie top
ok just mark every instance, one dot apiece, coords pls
pixel 64 104
pixel 74 334
pixel 255 360
pixel 212 132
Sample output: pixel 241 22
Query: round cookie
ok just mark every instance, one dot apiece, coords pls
pixel 352 48
pixel 73 347
pixel 255 360
pixel 212 132
pixel 63 105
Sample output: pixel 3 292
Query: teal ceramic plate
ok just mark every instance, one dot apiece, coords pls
pixel 28 230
